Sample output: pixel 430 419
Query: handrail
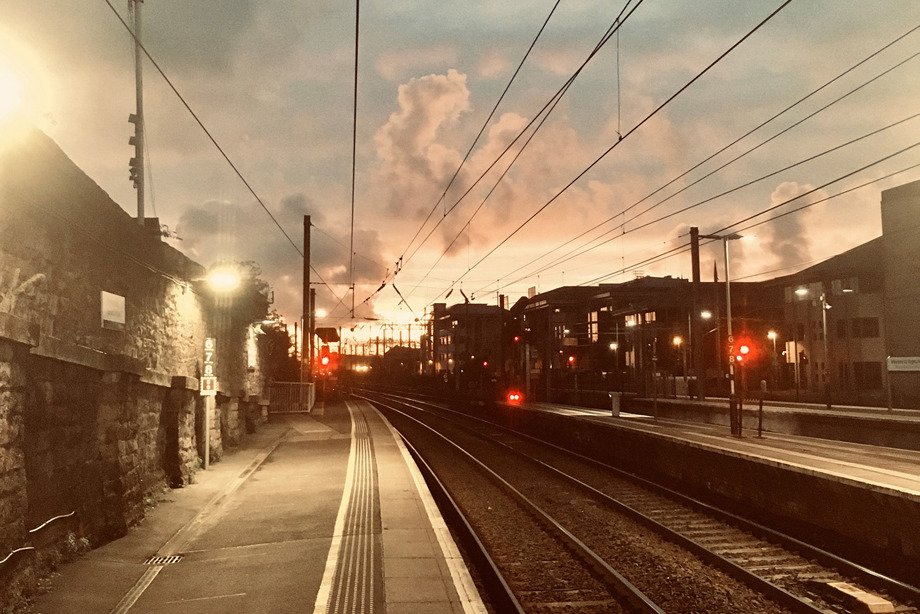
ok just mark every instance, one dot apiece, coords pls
pixel 47 522
pixel 35 530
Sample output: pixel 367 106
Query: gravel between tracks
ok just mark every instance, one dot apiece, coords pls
pixel 675 579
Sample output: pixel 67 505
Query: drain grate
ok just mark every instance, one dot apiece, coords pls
pixel 163 560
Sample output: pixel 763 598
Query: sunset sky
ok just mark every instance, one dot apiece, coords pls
pixel 273 82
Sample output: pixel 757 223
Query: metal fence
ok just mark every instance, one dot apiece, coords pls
pixel 291 397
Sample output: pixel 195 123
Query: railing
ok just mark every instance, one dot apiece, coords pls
pixel 291 397
pixel 33 532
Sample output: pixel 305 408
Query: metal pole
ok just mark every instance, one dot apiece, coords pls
pixel 695 335
pixel 827 358
pixel 306 344
pixel 795 343
pixel 728 315
pixel 139 124
pixel 208 412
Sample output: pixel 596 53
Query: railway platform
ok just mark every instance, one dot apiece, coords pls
pixel 321 512
pixel 821 489
pixel 873 467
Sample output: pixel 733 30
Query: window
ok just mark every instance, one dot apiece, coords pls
pixel 841 329
pixel 593 327
pixel 864 327
pixel 867 375
pixel 843 374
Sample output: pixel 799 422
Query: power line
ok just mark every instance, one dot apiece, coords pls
pixel 572 254
pixel 631 131
pixel 542 116
pixel 684 247
pixel 354 156
pixel 206 131
pixel 482 129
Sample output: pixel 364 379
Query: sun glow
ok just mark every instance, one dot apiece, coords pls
pixel 23 80
pixel 10 92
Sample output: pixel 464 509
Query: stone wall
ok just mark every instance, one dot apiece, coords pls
pixel 97 417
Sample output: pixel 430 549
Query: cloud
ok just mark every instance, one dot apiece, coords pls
pixel 787 238
pixel 221 230
pixel 413 163
pixel 493 64
pixel 396 64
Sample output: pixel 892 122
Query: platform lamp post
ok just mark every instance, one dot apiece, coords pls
pixel 224 278
pixel 771 335
pixel 824 307
pixel 734 408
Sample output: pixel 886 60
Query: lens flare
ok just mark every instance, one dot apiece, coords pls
pixel 10 92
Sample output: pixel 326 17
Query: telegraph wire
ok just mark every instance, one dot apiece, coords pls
pixel 482 129
pixel 542 116
pixel 206 131
pixel 572 254
pixel 354 156
pixel 553 100
pixel 631 131
pixel 685 247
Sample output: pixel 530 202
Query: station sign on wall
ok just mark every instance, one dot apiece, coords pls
pixel 209 368
pixel 112 311
pixel 904 363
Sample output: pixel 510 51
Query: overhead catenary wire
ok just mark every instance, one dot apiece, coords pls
pixel 540 118
pixel 482 129
pixel 685 247
pixel 672 97
pixel 622 224
pixel 573 255
pixel 553 100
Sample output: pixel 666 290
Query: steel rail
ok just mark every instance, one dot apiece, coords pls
pixel 634 598
pixel 499 593
pixel 868 577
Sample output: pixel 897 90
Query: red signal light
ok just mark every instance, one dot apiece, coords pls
pixel 571 360
pixel 515 397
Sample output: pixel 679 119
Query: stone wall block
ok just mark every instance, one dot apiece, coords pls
pixel 180 446
pixel 13 483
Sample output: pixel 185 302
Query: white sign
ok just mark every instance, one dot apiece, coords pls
pixel 904 363
pixel 113 311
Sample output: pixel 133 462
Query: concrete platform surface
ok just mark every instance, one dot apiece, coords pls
pixel 314 513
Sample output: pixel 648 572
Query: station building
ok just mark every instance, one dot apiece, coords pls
pixel 844 331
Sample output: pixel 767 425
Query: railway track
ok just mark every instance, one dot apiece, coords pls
pixel 586 499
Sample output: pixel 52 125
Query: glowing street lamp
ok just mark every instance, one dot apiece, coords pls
pixel 224 278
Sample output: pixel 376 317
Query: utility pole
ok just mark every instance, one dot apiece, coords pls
pixel 697 357
pixel 137 118
pixel 306 344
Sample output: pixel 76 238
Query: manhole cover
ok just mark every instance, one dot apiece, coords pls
pixel 163 560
